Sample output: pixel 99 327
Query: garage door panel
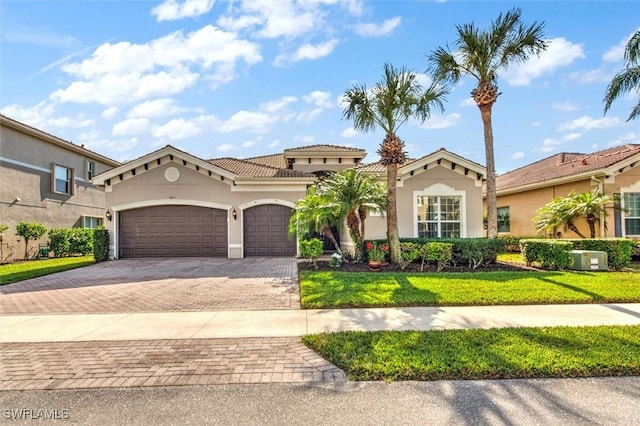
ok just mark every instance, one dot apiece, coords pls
pixel 266 231
pixel 165 231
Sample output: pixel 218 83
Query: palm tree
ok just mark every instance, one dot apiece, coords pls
pixel 627 80
pixel 563 211
pixel 353 195
pixel 314 213
pixel 482 54
pixel 388 105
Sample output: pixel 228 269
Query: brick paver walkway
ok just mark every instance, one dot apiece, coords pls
pixel 159 285
pixel 73 365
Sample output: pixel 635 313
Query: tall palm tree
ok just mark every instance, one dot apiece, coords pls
pixel 592 205
pixel 388 105
pixel 314 213
pixel 628 79
pixel 482 54
pixel 354 194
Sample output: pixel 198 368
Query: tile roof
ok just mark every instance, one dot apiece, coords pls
pixel 564 165
pixel 273 160
pixel 248 168
pixel 327 148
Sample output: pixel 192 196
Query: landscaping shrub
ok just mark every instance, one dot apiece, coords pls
pixel 438 253
pixel 100 244
pixel 635 250
pixel 550 254
pixel 512 242
pixel 30 231
pixel 59 242
pixel 410 252
pixel 618 249
pixel 311 249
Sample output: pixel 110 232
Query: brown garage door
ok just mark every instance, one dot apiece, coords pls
pixel 167 231
pixel 265 231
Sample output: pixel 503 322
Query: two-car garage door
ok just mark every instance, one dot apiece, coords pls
pixel 169 231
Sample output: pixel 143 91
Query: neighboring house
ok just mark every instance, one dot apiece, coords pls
pixel 614 171
pixel 171 203
pixel 48 180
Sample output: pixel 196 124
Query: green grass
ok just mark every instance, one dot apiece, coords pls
pixel 483 354
pixel 19 271
pixel 512 258
pixel 338 289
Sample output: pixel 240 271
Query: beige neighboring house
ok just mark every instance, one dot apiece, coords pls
pixel 46 179
pixel 171 203
pixel 614 171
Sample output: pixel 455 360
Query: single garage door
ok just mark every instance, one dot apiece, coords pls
pixel 168 231
pixel 266 231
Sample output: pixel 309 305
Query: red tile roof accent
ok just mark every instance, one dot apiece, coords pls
pixel 248 168
pixel 564 165
pixel 322 147
pixel 272 160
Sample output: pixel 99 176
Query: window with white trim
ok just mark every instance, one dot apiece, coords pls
pixel 91 222
pixel 439 212
pixel 90 170
pixel 631 206
pixel 62 180
pixel 504 219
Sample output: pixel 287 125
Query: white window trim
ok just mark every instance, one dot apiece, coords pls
pixel 635 188
pixel 92 217
pixel 71 181
pixel 442 190
pixel 87 169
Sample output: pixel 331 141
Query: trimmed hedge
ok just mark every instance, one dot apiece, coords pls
pixel 618 249
pixel 311 249
pixel 550 254
pixel 67 242
pixel 100 244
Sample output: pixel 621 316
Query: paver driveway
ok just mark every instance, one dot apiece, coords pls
pixel 159 285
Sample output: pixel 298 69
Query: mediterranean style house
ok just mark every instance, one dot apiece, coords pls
pixel 48 180
pixel 614 171
pixel 171 203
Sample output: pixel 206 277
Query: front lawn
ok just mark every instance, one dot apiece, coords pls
pixel 337 289
pixel 19 271
pixel 483 354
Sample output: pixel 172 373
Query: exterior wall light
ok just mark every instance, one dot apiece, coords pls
pixel 234 213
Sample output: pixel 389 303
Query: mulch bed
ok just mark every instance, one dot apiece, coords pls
pixel 415 267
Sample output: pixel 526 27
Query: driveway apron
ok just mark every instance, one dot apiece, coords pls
pixel 159 285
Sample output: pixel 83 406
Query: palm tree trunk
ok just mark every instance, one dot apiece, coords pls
pixel 354 229
pixel 575 229
pixel 591 220
pixel 492 208
pixel 329 234
pixel 362 213
pixel 392 214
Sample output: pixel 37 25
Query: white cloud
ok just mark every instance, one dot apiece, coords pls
pixel 308 51
pixel 247 144
pixel 349 133
pixel 549 145
pixel 94 141
pixel 278 104
pixel 588 123
pixel 227 147
pixel 564 106
pixel 441 121
pixel 274 143
pixel 599 75
pixel 248 121
pixel 320 99
pixel 378 30
pixel 130 126
pixel 171 10
pixel 110 113
pixel 304 138
pixel 42 116
pixel 536 124
pixel 309 115
pixel 616 53
pixel 559 53
pixel 468 102
pixel 571 136
pixel 517 155
pixel 423 80
pixel 124 72
pixel 155 108
pixel 178 128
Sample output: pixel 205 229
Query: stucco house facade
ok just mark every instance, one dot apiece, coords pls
pixel 171 203
pixel 614 171
pixel 46 179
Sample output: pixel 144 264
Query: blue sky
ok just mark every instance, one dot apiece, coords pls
pixel 247 78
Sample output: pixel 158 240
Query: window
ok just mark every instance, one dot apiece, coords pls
pixel 504 219
pixel 62 180
pixel 91 222
pixel 439 216
pixel 632 213
pixel 91 170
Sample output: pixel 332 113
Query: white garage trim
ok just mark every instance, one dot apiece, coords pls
pixel 266 201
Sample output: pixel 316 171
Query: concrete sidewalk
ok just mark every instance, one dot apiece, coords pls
pixel 291 323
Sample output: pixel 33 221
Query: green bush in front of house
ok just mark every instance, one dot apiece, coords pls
pixel 74 241
pixel 30 231
pixel 311 249
pixel 100 244
pixel 618 249
pixel 550 254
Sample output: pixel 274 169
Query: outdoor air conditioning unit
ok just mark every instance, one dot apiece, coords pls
pixel 585 260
